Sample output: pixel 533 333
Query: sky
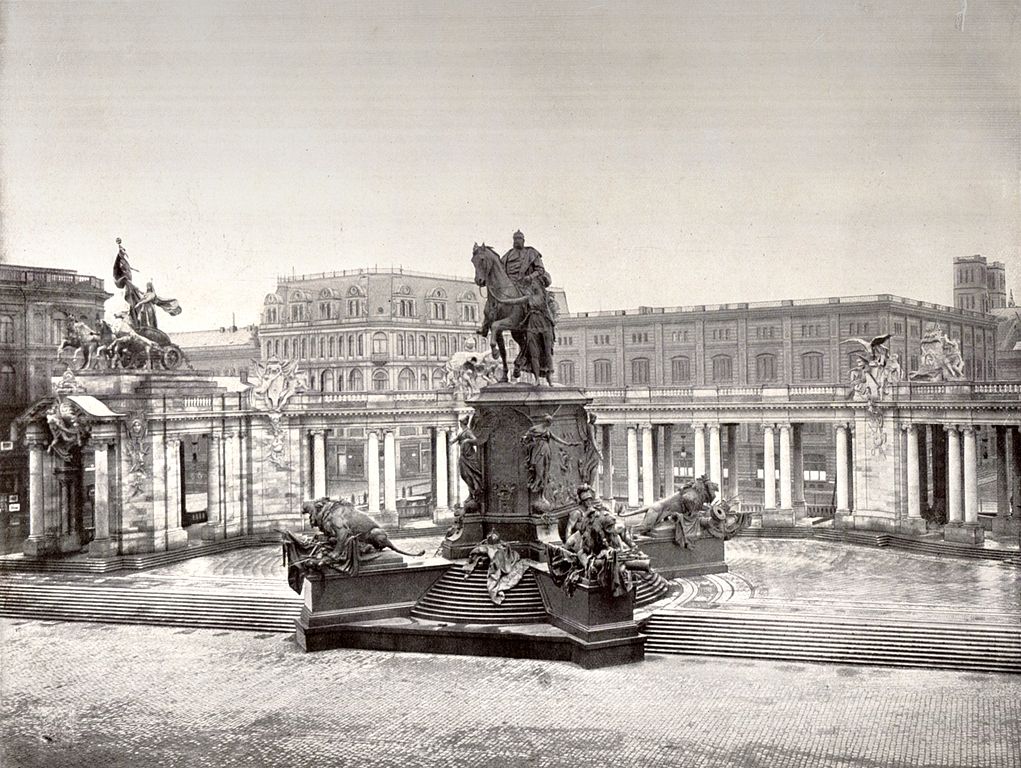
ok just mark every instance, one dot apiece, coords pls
pixel 655 153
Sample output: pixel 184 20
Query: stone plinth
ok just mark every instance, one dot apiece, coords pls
pixel 670 560
pixel 603 625
pixel 511 506
pixel 386 588
pixel 963 533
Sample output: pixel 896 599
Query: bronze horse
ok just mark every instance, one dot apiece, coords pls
pixel 79 336
pixel 506 310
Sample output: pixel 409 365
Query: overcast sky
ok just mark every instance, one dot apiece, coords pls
pixel 662 153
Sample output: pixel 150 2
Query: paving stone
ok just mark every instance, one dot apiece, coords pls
pixel 94 695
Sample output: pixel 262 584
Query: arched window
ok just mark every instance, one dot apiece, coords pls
pixel 400 345
pixel 8 383
pixel 565 371
pixel 380 381
pixel 276 347
pixel 437 378
pixel 723 369
pixel 602 371
pixel 443 346
pixel 680 370
pixel 640 370
pixel 322 346
pixel 303 349
pixel 379 343
pixel 411 345
pixel 811 366
pixel 326 381
pixel 406 379
pixel 285 348
pixel 421 345
pixel 331 346
pixel 6 329
pixel 355 380
pixel 765 367
pixel 432 345
pixel 361 344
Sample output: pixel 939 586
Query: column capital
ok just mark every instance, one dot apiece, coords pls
pixel 317 432
pixel 967 429
pixel 172 441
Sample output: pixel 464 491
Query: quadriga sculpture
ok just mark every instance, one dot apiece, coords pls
pixel 346 539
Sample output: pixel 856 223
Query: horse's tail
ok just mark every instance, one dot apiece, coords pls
pixel 639 511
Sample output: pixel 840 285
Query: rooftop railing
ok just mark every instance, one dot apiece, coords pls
pixel 842 300
pixel 46 275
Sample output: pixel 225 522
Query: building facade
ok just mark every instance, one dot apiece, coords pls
pixel 35 306
pixel 226 351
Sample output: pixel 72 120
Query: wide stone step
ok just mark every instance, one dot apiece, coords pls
pixel 456 599
pixel 836 640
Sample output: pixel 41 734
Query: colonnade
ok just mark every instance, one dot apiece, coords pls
pixel 381 472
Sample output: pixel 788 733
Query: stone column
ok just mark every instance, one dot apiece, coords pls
pixel 924 460
pixel 441 512
pixel 176 535
pixel 914 522
pixel 733 484
pixel 632 467
pixel 372 472
pixel 607 462
pixel 318 463
pixel 38 543
pixel 768 469
pixel 842 466
pixel 101 544
pixel 954 511
pixel 715 459
pixel 798 472
pixel 1003 473
pixel 389 474
pixel 699 449
pixel 213 529
pixel 454 495
pixel 970 476
pixel 786 502
pixel 668 460
pixel 648 466
pixel 232 484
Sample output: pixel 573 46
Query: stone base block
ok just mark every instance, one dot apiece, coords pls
pixel 843 519
pixel 211 531
pixel 913 526
pixel 862 521
pixel 70 542
pixel 177 538
pixel 443 516
pixel 671 560
pixel 590 613
pixel 102 548
pixel 963 533
pixel 39 546
pixel 523 641
pixel 778 518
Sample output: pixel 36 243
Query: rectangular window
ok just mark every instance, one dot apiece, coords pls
pixel 640 370
pixel 602 372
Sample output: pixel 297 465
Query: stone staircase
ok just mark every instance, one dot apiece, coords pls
pixel 883 540
pixel 835 639
pixel 54 601
pixel 458 600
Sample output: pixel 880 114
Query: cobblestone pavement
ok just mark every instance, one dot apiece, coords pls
pixel 101 695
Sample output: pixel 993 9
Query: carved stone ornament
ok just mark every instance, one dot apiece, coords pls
pixel 69 426
pixel 138 452
pixel 940 357
pixel 276 382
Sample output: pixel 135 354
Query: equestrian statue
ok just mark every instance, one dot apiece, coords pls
pixel 518 301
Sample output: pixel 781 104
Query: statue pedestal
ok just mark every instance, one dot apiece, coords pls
pixel 603 625
pixel 670 560
pixel 529 479
pixel 386 588
pixel 39 546
pixel 963 533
